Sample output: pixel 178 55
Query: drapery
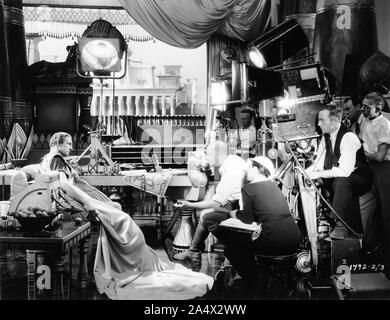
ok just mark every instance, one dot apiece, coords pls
pixel 190 23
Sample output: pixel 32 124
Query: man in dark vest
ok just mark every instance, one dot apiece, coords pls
pixel 343 167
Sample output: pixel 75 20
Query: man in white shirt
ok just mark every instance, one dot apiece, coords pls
pixel 244 139
pixel 343 167
pixel 227 196
pixel 247 132
pixel 375 132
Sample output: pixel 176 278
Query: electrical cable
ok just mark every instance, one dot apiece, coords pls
pixel 303 171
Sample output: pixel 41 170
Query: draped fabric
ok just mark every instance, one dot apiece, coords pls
pixel 190 23
pixel 127 269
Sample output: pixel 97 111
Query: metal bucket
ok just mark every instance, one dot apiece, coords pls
pixel 266 108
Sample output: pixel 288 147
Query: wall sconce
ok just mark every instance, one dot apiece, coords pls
pixel 277 45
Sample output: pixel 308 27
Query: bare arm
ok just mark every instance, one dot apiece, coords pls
pixel 205 204
pixel 380 155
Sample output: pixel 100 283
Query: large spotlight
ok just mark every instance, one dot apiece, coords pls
pixel 277 45
pixel 256 58
pixel 101 49
pixel 99 54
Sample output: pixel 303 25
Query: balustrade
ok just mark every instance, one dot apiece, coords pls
pixel 134 102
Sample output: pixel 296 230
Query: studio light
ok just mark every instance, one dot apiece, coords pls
pixel 277 45
pixel 101 54
pixel 101 49
pixel 220 94
pixel 256 58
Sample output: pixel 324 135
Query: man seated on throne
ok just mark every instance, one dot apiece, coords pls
pixel 125 267
pixel 60 148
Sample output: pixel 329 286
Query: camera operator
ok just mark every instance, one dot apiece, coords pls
pixel 343 167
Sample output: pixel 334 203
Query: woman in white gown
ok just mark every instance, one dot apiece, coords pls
pixel 125 266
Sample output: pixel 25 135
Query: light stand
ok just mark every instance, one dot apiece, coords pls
pixel 265 112
pixel 101 78
pixel 100 52
pixel 263 131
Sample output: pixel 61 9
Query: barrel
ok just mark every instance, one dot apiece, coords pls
pixel 304 13
pixel 345 36
pixel 20 85
pixel 5 86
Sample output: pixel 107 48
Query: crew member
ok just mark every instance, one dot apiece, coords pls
pixel 264 204
pixel 342 165
pixel 227 197
pixel 352 108
pixel 375 132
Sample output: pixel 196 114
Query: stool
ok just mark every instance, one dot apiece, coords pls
pixel 275 275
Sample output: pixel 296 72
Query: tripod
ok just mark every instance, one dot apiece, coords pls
pixel 95 147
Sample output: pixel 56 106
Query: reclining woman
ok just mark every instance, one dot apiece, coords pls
pixel 125 267
pixel 264 204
